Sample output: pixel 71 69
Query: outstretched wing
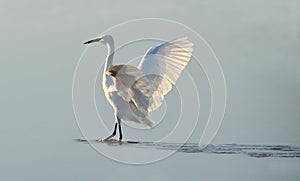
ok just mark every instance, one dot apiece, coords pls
pixel 147 93
pixel 164 64
pixel 167 59
pixel 144 93
pixel 125 76
pixel 144 87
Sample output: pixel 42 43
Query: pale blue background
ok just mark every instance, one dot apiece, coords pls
pixel 258 46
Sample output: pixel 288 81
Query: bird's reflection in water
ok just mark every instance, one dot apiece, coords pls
pixel 258 151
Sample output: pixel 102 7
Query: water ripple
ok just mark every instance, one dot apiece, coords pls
pixel 257 151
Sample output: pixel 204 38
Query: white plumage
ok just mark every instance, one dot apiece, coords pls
pixel 134 92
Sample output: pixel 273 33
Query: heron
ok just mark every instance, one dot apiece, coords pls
pixel 135 92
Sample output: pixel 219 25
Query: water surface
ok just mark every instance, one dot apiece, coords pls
pixel 258 151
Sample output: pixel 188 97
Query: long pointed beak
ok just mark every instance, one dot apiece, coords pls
pixel 92 41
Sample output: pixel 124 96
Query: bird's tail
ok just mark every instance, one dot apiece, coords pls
pixel 147 122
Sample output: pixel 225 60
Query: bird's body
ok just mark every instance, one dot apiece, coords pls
pixel 122 107
pixel 134 92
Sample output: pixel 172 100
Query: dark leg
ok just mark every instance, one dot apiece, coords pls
pixel 120 129
pixel 113 134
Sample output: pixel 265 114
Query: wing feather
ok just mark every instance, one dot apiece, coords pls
pixel 162 65
pixel 144 87
pixel 167 59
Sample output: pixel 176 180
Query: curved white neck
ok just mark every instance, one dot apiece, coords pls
pixel 110 55
pixel 107 80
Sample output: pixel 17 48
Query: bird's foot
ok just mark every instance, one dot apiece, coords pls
pixel 120 138
pixel 101 140
pixel 111 140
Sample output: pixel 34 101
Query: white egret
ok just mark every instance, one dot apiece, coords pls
pixel 134 92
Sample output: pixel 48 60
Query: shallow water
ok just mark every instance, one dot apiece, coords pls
pixel 258 151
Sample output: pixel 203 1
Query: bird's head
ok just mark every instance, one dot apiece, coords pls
pixel 102 39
